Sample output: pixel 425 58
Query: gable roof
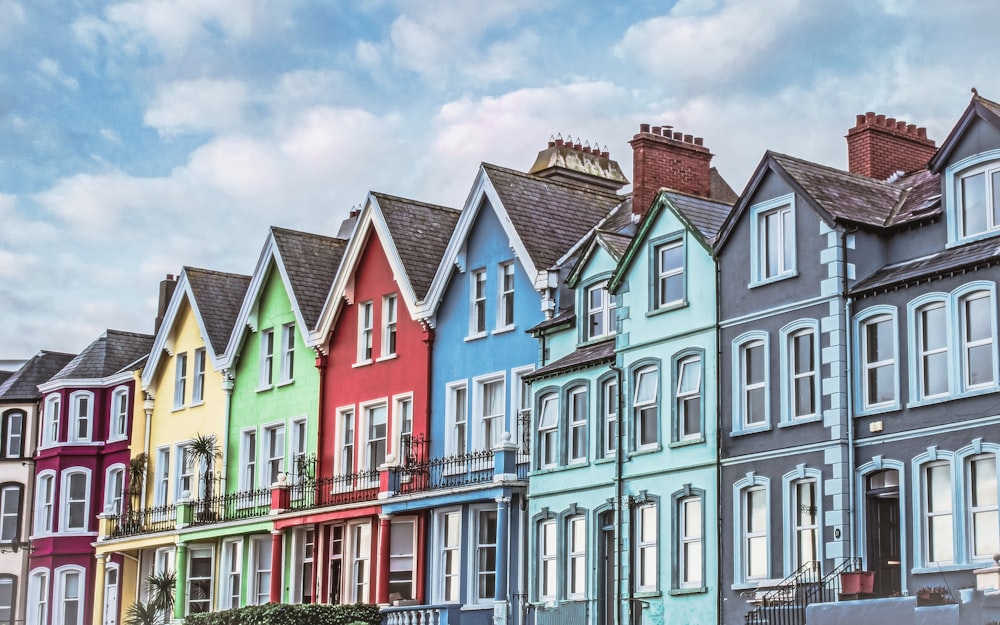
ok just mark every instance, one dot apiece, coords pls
pixel 413 235
pixel 22 385
pixel 943 262
pixel 586 356
pixel 112 352
pixel 4 375
pixel 979 107
pixel 215 298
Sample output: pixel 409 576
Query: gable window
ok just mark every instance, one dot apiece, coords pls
pixel 44 503
pixel 10 512
pixel 377 424
pixel 365 331
pixel 486 555
pixel 491 409
pixel 688 397
pixel 548 422
pixel 939 527
pixel 248 459
pixel 119 415
pixel 576 557
pixel 505 311
pixel 260 549
pixel 69 597
pixel 751 386
pixel 547 569
pixel 180 380
pixel 389 325
pixel 600 312
pixel 609 417
pixel 7 594
pixel 477 309
pixel 274 446
pixel 647 556
pixel 457 411
pixel 75 489
pixel 50 431
pixel 645 406
pixel 576 404
pixel 932 350
pixel 983 517
pixel 669 289
pixel 13 434
pixel 754 542
pixel 772 233
pixel 347 442
pixel 976 314
pixel 979 200
pixel 266 378
pixel 199 586
pixel 38 597
pixel 81 416
pixel 690 544
pixel 878 361
pixel 198 387
pixel 287 366
pixel 114 489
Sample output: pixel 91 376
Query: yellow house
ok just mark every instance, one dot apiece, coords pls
pixel 186 400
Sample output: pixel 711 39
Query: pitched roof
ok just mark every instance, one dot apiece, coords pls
pixel 311 262
pixel 549 217
pixel 979 107
pixel 4 375
pixel 112 352
pixel 942 262
pixel 704 214
pixel 218 296
pixel 586 356
pixel 420 233
pixel 23 384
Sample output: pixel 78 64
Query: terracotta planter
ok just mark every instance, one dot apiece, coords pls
pixel 867 579
pixel 850 583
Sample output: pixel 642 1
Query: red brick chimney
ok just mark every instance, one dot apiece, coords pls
pixel 664 158
pixel 878 147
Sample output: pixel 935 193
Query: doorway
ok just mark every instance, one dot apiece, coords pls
pixel 606 594
pixel 884 550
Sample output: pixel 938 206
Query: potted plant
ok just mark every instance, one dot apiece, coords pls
pixel 933 595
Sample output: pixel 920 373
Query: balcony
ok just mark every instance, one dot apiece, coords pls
pixel 419 473
pixel 306 493
pixel 139 522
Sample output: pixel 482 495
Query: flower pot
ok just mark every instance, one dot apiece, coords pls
pixel 867 581
pixel 850 583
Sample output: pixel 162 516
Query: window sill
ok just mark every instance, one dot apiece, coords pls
pixel 744 586
pixel 800 421
pixel 672 306
pixel 687 442
pixel 386 357
pixel 471 607
pixel 778 278
pixel 596 339
pixel 475 337
pixel 178 408
pixel 261 389
pixel 362 363
pixel 916 403
pixel 979 236
pixel 877 410
pixel 503 330
pixel 748 431
pixel 200 402
pixel 607 459
pixel 648 449
pixel 674 592
pixel 284 383
pixel 925 570
pixel 647 594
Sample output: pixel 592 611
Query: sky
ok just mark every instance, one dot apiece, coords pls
pixel 141 136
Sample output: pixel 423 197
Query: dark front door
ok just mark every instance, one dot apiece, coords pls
pixel 606 571
pixel 884 549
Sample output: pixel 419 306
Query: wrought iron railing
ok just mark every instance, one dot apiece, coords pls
pixel 334 490
pixel 143 521
pixel 245 504
pixel 448 472
pixel 786 603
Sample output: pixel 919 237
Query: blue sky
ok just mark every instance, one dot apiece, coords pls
pixel 137 137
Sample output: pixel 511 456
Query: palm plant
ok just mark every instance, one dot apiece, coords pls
pixel 202 451
pixel 159 610
pixel 137 475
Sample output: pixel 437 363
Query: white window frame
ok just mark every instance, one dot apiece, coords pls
pixel 741 536
pixel 298 445
pixel 548 430
pixel 266 375
pixel 929 516
pixel 604 310
pixel 966 345
pixel 505 295
pixel 477 303
pixel 347 450
pixel 476 550
pixel 358 538
pixel 403 560
pixel 609 417
pixel 78 417
pixel 368 410
pixel 982 163
pixel 50 431
pixel 45 499
pixel 781 207
pixel 647 550
pixel 249 459
pixel 111 606
pixel 791 482
pixel 522 398
pixel 231 574
pixel 11 450
pixel 261 569
pixel 690 540
pixel 38 598
pixel 180 380
pixel 390 321
pixel 803 329
pixel 683 396
pixel 402 423
pixel 8 490
pixel 273 451
pixel 286 373
pixel 184 471
pixel 118 414
pixel 366 325
pixel 65 503
pixel 641 408
pixel 191 579
pixel 576 557
pixel 304 545
pixel 548 567
pixel 198 384
pixel 874 318
pixel 665 274
pixel 60 598
pixel 922 352
pixel 114 479
pixel 457 410
pixel 443 580
pixel 976 510
pixel 9 610
pixel 161 486
pixel 577 425
pixel 488 429
pixel 742 386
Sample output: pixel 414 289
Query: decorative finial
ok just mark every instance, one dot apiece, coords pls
pixel 975 92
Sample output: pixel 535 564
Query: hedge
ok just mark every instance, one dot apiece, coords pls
pixel 290 614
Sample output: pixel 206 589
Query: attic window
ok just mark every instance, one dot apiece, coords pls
pixel 979 200
pixel 772 234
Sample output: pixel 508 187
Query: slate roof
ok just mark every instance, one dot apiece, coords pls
pixel 586 356
pixel 23 384
pixel 219 297
pixel 566 316
pixel 550 217
pixel 944 261
pixel 311 262
pixel 719 190
pixel 420 232
pixel 705 215
pixel 112 352
pixel 615 243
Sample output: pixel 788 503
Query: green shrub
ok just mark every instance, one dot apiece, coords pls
pixel 290 614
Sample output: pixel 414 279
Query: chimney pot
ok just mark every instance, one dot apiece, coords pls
pixel 577 146
pixel 890 122
pixel 869 117
pixel 880 120
pixel 880 154
pixel 688 138
pixel 656 130
pixel 643 127
pixel 922 133
pixel 901 125
pixel 699 141
pixel 678 135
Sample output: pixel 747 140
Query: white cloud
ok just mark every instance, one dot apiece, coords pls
pixel 50 69
pixel 111 135
pixel 12 264
pixel 12 20
pixel 368 54
pixel 197 106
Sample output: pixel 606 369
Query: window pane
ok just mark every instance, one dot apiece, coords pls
pixel 805 396
pixel 986 533
pixel 974 203
pixel 934 327
pixel 936 374
pixel 939 488
pixel 984 482
pixel 757 512
pixel 786 239
pixel 645 386
pixel 754 363
pixel 755 406
pixel 690 376
pixel 757 555
pixel 881 385
pixel 880 345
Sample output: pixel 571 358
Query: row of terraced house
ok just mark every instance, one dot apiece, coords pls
pixel 560 404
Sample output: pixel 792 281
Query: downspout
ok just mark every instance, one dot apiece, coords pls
pixel 319 581
pixel 849 372
pixel 321 359
pixel 619 495
pixel 228 382
pixel 718 438
pixel 422 564
pixel 147 407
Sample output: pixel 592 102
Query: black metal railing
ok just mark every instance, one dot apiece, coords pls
pixel 448 472
pixel 237 506
pixel 334 490
pixel 786 604
pixel 143 521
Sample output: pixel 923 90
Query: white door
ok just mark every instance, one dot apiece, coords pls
pixel 111 596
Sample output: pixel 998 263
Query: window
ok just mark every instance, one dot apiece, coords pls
pixel 505 311
pixel 162 472
pixel 932 350
pixel 458 410
pixel 772 231
pixel 491 411
pixel 600 312
pixel 669 288
pixel 547 569
pixel 232 562
pixel 185 473
pixel 365 332
pixel 119 415
pixel 645 406
pixel 389 325
pixel 752 397
pixel 248 460
pixel 44 503
pixel 50 431
pixel 299 441
pixel 81 416
pixel 266 378
pixel 199 586
pixel 939 528
pixel 577 406
pixel 402 558
pixel 75 489
pixel 450 541
pixel 755 539
pixel 486 555
pixel 978 195
pixel 687 398
pixel 802 371
pixel 548 422
pixel 404 421
pixel 10 513
pixel 361 536
pixel 576 557
pixel 114 489
pixel 306 543
pixel 477 318
pixel 69 597
pixel 523 401
pixel 377 423
pixel 690 544
pixel 13 434
pixel 180 380
pixel 287 352
pixel 609 417
pixel 198 390
pixel 111 595
pixel 274 449
pixel 977 313
pixel 878 364
pixel 260 548
pixel 347 442
pixel 38 598
pixel 805 521
pixel 7 594
pixel 983 518
pixel 646 558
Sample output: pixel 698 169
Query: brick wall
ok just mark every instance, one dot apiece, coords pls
pixel 878 146
pixel 664 158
